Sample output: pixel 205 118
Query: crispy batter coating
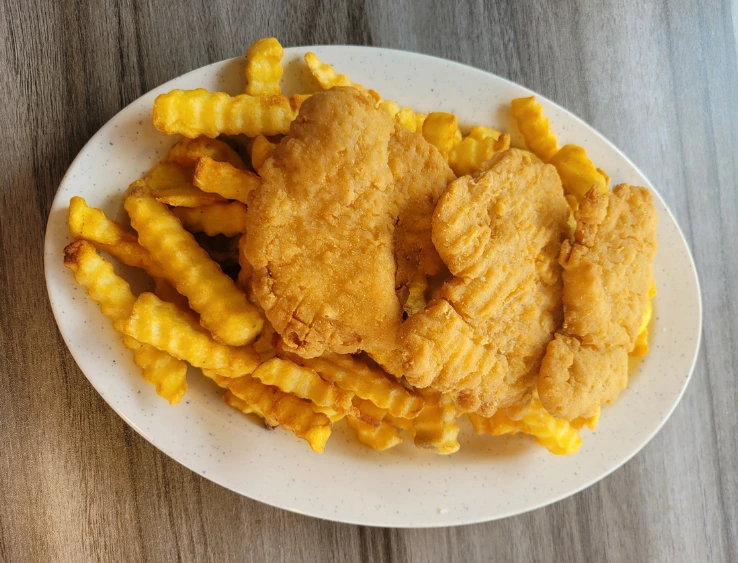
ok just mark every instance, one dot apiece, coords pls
pixel 322 228
pixel 483 335
pixel 607 273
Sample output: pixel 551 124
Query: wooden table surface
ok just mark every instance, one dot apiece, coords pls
pixel 659 79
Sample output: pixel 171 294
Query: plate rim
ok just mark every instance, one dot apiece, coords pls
pixel 460 521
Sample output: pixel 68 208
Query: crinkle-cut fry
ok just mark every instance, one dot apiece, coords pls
pixel 192 113
pixel 223 179
pixel 86 222
pixel 577 172
pixel 467 156
pixel 227 219
pixel 480 132
pixel 640 348
pixel 409 120
pixel 439 129
pixel 332 414
pixel 188 151
pixel 263 69
pixel 400 423
pixel 167 292
pixel 557 435
pixel 535 127
pixel 166 327
pixel 325 75
pixel 378 438
pixel 304 383
pixel 282 409
pixel 170 183
pixel 435 426
pixel 260 149
pixel 114 296
pixel 224 309
pixel 91 224
pixel 368 383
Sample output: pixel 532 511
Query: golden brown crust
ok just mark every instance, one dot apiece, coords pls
pixel 344 197
pixel 484 335
pixel 607 271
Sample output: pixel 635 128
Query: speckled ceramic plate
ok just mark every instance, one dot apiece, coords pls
pixel 490 477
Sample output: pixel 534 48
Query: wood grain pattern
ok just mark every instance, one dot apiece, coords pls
pixel 657 78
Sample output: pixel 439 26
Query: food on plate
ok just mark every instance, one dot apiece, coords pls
pixel 171 183
pixel 279 409
pixel 577 172
pixel 224 179
pixel 264 67
pixel 346 168
pixel 435 427
pixel 535 127
pixel 227 219
pixel 482 143
pixel 483 336
pixel 170 329
pixel 367 383
pixel 192 113
pixel 261 147
pixel 378 437
pixel 114 296
pixel 607 272
pixel 188 152
pixel 90 224
pixel 303 383
pixel 223 308
pixel 557 435
pixel 334 258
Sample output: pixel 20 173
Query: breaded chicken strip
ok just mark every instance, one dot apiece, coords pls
pixel 341 225
pixel 607 274
pixel 483 335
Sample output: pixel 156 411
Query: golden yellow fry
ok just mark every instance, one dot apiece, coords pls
pixel 114 296
pixel 227 219
pixel 264 67
pixel 91 224
pixel 400 423
pixel 390 108
pixel 224 309
pixel 588 421
pixel 192 113
pixel 304 383
pixel 261 147
pixel 439 129
pixel 435 426
pixel 166 327
pixel 224 179
pixel 332 414
pixel 641 344
pixel 577 172
pixel 479 132
pixel 282 409
pixel 188 151
pixel 167 292
pixel 266 344
pixel 535 127
pixel 325 75
pixel 419 122
pixel 467 156
pixel 378 438
pixel 171 184
pixel 409 119
pixel 367 383
pixel 557 435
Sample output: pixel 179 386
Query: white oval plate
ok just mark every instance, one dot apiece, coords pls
pixel 490 477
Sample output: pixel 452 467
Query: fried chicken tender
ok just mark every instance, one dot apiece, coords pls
pixel 607 272
pixel 483 335
pixel 321 228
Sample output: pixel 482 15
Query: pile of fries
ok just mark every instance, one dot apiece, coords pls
pixel 187 218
